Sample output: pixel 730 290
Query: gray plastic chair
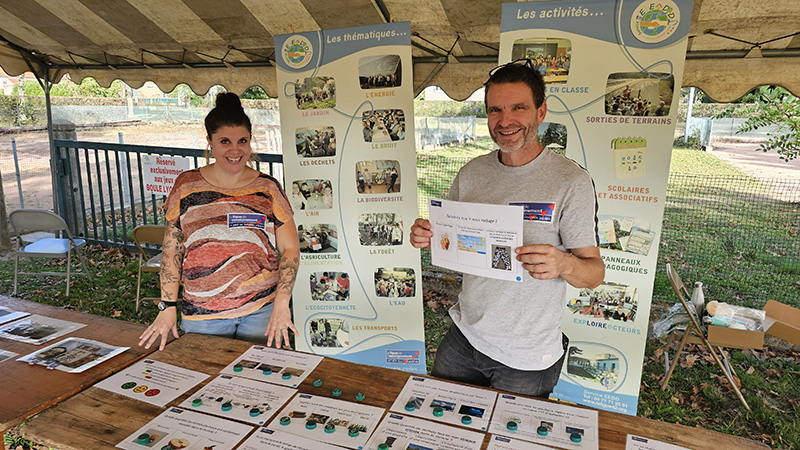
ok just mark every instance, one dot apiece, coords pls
pixel 149 257
pixel 31 220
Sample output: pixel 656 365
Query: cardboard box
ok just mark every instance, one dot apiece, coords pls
pixel 782 321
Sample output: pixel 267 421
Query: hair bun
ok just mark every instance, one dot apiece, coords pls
pixel 226 100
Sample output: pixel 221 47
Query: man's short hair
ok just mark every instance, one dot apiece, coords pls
pixel 519 72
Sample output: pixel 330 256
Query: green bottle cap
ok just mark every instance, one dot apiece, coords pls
pixel 143 439
pixel 466 420
pixel 237 368
pixel 255 412
pixel 360 396
pixel 286 420
pixel 438 411
pixel 197 402
pixel 330 428
pixel 542 431
pixel 337 392
pixel 511 425
pixel 227 406
pixel 310 424
pixel 575 437
pixel 318 382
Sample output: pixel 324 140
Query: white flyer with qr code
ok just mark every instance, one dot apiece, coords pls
pixel 476 238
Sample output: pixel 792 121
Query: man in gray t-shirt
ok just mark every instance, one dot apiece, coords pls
pixel 505 334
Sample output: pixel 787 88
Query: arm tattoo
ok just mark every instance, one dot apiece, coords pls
pixel 171 268
pixel 288 274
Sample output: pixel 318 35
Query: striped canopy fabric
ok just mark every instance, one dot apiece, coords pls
pixel 734 45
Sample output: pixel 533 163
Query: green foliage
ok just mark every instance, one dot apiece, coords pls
pixel 255 93
pixel 89 87
pixel 443 108
pixel 693 142
pixel 773 106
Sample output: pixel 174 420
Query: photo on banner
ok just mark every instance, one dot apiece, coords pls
pixel 619 112
pixel 347 121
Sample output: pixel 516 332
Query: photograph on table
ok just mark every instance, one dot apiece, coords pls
pixel 378 72
pixel 329 332
pixel 553 135
pixel 383 125
pixel 36 329
pixel 639 94
pixel 550 57
pixel 595 366
pixel 315 142
pixel 380 176
pixel 395 282
pixel 380 229
pixel 318 238
pixel 609 301
pixel 315 93
pixel 73 355
pixel 625 234
pixel 329 286
pixel 311 195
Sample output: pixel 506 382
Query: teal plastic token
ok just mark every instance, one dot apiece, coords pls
pixel 337 392
pixel 542 431
pixel 267 372
pixel 411 406
pixel 383 446
pixel 255 412
pixel 237 368
pixel 438 411
pixel 360 396
pixel 286 420
pixel 227 406
pixel 318 382
pixel 143 439
pixel 330 428
pixel 310 424
pixel 511 425
pixel 197 402
pixel 167 447
pixel 286 375
pixel 466 420
pixel 353 432
pixel 575 437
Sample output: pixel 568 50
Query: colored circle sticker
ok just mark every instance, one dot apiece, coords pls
pixel 128 385
pixel 654 22
pixel 152 392
pixel 139 389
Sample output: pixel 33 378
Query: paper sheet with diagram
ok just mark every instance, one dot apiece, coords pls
pixel 497 442
pixel 177 428
pixel 446 402
pixel 153 382
pixel 545 423
pixel 404 432
pixel 239 398
pixel 328 420
pixel 477 238
pixel 273 365
pixel 640 443
pixel 280 440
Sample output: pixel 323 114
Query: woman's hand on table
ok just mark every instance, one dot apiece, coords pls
pixel 166 321
pixel 280 322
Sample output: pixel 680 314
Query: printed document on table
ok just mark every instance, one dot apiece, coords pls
pixel 274 439
pixel 153 382
pixel 476 238
pixel 404 432
pixel 640 443
pixel 176 428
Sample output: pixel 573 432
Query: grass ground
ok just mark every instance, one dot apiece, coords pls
pixel 697 396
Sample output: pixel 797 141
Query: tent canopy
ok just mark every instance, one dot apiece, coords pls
pixel 734 45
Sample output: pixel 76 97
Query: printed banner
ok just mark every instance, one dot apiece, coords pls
pixel 347 118
pixel 613 72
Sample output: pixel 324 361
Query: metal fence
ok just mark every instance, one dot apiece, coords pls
pixel 433 132
pixel 94 179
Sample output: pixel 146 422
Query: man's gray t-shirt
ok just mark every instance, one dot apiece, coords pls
pixel 519 324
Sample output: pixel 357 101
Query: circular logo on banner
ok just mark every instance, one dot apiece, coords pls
pixel 653 22
pixel 297 52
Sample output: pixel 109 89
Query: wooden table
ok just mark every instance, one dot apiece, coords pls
pixel 27 390
pixel 97 419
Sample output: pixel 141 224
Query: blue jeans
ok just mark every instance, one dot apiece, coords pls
pixel 458 360
pixel 251 327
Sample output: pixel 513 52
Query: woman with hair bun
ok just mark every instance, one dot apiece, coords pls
pixel 226 225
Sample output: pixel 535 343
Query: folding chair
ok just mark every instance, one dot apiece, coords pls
pixel 33 220
pixel 146 238
pixel 694 334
